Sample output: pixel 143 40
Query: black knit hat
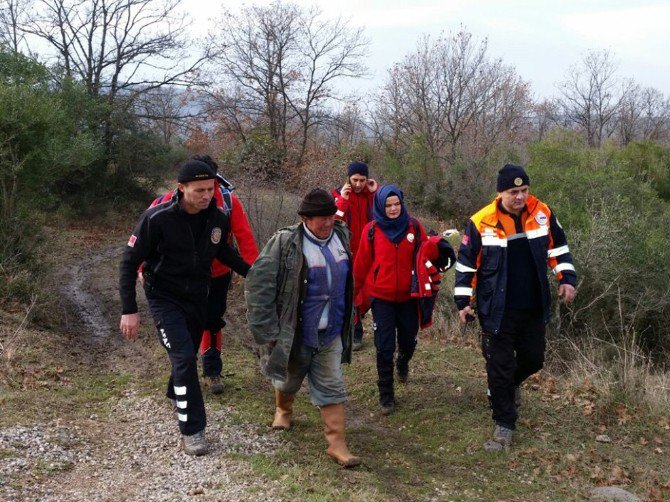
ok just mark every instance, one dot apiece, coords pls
pixel 318 202
pixel 207 160
pixel 195 170
pixel 358 168
pixel 511 176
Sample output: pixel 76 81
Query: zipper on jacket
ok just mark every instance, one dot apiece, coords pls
pixel 396 270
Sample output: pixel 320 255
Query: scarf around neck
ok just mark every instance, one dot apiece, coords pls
pixel 394 229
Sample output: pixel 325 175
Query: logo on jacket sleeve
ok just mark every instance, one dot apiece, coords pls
pixel 410 237
pixel 131 241
pixel 466 240
pixel 541 218
pixel 216 235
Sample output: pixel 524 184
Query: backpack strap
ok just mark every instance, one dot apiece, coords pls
pixel 227 200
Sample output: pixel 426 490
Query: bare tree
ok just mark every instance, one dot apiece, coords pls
pixel 119 50
pixel 12 17
pixel 331 50
pixel 165 111
pixel 277 66
pixel 629 115
pixel 453 96
pixel 591 96
pixel 117 46
pixel 655 116
pixel 546 114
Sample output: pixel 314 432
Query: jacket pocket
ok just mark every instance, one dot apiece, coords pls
pixel 491 258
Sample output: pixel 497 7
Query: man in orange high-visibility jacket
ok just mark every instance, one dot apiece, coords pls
pixel 502 267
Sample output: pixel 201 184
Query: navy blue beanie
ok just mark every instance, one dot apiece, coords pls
pixel 358 168
pixel 511 176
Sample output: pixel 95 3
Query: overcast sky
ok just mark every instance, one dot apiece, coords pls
pixel 540 38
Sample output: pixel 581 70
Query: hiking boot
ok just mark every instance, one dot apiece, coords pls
pixel 216 385
pixel 387 408
pixel 195 444
pixel 503 435
pixel 357 345
pixel 502 439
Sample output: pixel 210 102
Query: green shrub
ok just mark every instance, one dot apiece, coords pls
pixel 617 227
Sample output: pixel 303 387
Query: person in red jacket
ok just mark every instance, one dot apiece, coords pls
pixel 384 265
pixel 240 230
pixel 354 206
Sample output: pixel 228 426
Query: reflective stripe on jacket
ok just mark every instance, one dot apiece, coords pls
pixel 481 269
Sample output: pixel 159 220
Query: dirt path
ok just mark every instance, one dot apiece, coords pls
pixel 131 450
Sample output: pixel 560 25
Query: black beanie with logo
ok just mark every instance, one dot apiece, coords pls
pixel 195 170
pixel 511 176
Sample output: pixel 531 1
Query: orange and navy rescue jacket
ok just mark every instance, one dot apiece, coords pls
pixel 481 269
pixel 240 229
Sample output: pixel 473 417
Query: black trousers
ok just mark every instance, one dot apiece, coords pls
pixel 512 355
pixel 217 301
pixel 391 320
pixel 179 326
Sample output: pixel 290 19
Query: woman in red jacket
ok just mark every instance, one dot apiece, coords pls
pixel 384 262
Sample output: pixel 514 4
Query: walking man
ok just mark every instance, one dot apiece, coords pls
pixel 502 267
pixel 217 300
pixel 299 296
pixel 354 202
pixel 175 242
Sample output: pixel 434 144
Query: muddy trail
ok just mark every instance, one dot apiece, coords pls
pixel 89 313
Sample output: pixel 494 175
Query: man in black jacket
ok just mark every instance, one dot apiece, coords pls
pixel 176 242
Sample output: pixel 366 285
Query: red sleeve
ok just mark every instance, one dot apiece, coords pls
pixel 363 261
pixel 161 199
pixel 342 205
pixel 241 230
pixel 422 232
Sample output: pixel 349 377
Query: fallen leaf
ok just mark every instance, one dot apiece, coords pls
pixel 643 441
pixel 603 438
pixel 618 475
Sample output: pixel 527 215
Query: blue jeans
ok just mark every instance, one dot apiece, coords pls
pixel 323 368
